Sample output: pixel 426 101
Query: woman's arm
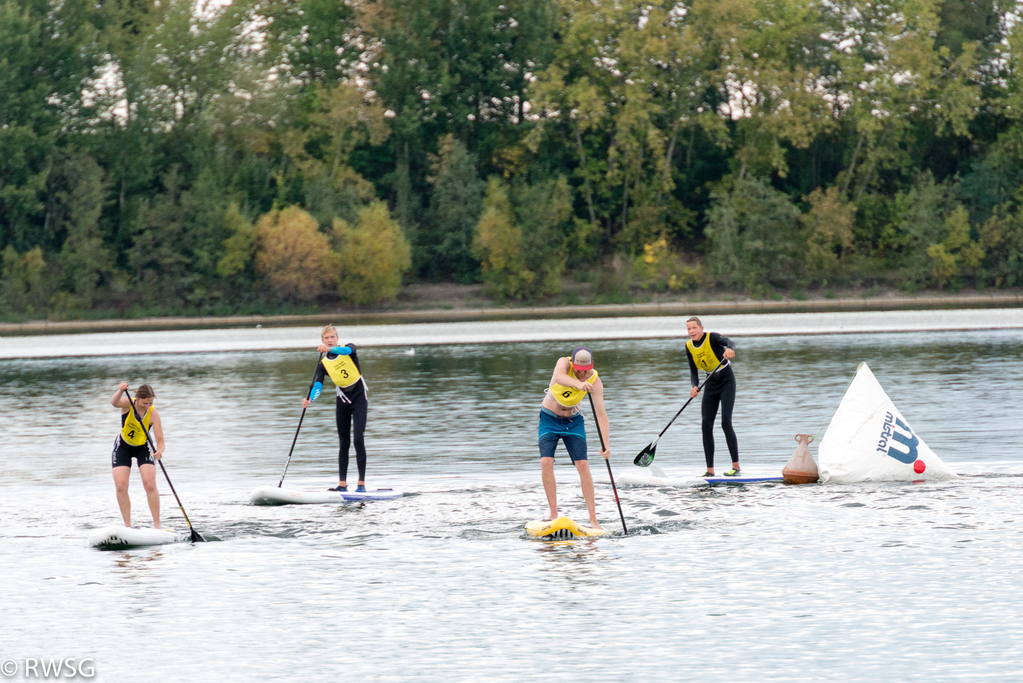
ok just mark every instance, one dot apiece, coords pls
pixel 119 400
pixel 317 388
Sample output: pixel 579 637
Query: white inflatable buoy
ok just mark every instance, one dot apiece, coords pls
pixel 868 439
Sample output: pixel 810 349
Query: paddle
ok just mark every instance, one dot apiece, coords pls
pixel 196 537
pixel 295 440
pixel 608 463
pixel 646 456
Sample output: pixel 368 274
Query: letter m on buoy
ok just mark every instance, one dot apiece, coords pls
pixel 910 442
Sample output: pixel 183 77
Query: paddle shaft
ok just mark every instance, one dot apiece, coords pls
pixel 152 447
pixel 302 417
pixel 607 461
pixel 698 390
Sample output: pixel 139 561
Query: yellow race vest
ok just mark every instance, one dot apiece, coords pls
pixel 703 355
pixel 131 430
pixel 569 396
pixel 342 371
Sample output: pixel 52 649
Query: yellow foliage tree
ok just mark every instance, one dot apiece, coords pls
pixel 293 255
pixel 373 256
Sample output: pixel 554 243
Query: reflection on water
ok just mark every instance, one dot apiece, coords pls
pixel 738 583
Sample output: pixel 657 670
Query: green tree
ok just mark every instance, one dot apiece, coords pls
pixel 46 52
pixel 85 258
pixel 754 237
pixel 829 232
pixel 23 289
pixel 455 206
pixel 239 248
pixel 520 238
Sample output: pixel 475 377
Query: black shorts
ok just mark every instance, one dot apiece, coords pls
pixel 123 453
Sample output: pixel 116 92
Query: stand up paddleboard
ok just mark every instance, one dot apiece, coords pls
pixel 119 537
pixel 642 479
pixel 561 528
pixel 274 495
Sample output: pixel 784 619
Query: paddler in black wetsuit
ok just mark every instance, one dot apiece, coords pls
pixel 342 365
pixel 705 351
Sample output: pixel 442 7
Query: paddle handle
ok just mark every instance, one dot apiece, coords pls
pixel 607 461
pixel 152 447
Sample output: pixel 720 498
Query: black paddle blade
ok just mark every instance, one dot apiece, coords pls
pixel 196 537
pixel 646 456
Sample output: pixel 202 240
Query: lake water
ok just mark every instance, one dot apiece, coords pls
pixel 894 582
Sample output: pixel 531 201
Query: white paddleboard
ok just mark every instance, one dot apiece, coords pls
pixel 273 495
pixel 115 537
pixel 641 478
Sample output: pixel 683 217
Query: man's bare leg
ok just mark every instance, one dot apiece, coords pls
pixel 550 486
pixel 121 475
pixel 148 473
pixel 586 479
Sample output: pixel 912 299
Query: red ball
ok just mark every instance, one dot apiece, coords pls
pixel 919 466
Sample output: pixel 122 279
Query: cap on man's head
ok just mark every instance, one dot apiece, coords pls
pixel 582 359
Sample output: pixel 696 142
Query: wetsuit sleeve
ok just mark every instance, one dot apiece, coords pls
pixel 719 343
pixel 321 372
pixel 694 374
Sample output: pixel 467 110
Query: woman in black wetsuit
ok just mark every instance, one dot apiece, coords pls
pixel 705 352
pixel 342 365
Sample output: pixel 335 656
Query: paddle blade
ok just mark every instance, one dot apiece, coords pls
pixel 646 456
pixel 196 537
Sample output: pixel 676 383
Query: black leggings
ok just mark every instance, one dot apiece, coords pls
pixel 347 413
pixel 725 396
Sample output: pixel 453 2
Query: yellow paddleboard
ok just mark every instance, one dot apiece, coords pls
pixel 562 527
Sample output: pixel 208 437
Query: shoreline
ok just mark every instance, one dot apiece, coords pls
pixel 580 330
pixel 454 315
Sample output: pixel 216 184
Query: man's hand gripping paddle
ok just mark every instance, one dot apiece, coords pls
pixel 608 463
pixel 646 456
pixel 196 537
pixel 308 394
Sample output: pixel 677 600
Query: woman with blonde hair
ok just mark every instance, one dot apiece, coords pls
pixel 341 364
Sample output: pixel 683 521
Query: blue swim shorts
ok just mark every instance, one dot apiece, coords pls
pixel 571 430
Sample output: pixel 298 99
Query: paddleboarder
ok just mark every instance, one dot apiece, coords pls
pixel 341 364
pixel 705 351
pixel 131 444
pixel 562 419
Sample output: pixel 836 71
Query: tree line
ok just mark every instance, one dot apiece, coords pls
pixel 183 156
